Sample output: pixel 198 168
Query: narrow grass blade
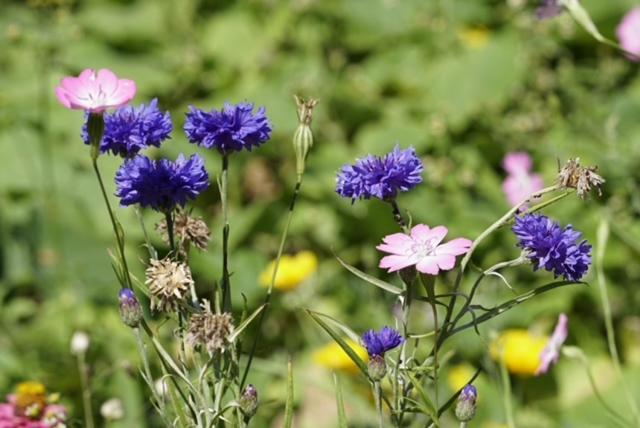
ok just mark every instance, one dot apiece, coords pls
pixel 370 279
pixel 342 417
pixel 288 408
pixel 245 323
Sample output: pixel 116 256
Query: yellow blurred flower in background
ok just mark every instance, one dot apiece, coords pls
pixel 292 272
pixel 520 350
pixel 28 394
pixel 332 356
pixel 459 376
pixel 474 37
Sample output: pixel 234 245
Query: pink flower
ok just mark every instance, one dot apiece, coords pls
pixel 551 353
pixel 95 92
pixel 628 33
pixel 422 248
pixel 520 182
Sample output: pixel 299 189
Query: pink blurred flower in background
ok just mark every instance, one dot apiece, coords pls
pixel 422 248
pixel 628 33
pixel 551 353
pixel 95 91
pixel 520 182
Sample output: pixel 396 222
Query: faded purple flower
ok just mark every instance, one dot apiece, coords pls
pixel 380 177
pixel 549 9
pixel 379 343
pixel 628 33
pixel 232 129
pixel 520 182
pixel 551 353
pixel 161 185
pixel 553 248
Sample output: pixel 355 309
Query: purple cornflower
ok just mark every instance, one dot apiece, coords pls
pixel 129 129
pixel 466 407
pixel 379 343
pixel 553 248
pixel 162 184
pixel 548 9
pixel 380 177
pixel 232 129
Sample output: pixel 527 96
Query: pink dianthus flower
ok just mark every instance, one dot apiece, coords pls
pixel 95 91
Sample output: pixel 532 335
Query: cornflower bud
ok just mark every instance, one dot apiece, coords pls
pixel 249 401
pixel 466 407
pixel 377 367
pixel 95 129
pixel 130 309
pixel 303 137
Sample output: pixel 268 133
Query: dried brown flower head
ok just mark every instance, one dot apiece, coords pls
pixel 210 330
pixel 188 230
pixel 168 282
pixel 581 178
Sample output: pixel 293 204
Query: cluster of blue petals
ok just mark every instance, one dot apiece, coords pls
pixel 161 185
pixel 233 129
pixel 380 177
pixel 130 129
pixel 377 343
pixel 553 248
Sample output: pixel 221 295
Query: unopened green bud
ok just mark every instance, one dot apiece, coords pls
pixel 466 406
pixel 303 137
pixel 377 367
pixel 95 129
pixel 130 309
pixel 249 401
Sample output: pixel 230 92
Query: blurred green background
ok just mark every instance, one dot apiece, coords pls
pixel 464 82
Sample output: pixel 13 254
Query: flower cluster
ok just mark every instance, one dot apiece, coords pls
pixel 161 185
pixel 520 182
pixel 553 248
pixel 232 129
pixel 168 283
pixel 29 407
pixel 129 130
pixel 378 343
pixel 422 248
pixel 380 177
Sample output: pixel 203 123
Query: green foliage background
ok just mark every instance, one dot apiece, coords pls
pixel 464 82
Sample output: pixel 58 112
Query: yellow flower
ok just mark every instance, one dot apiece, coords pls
pixel 332 356
pixel 520 351
pixel 459 376
pixel 293 270
pixel 474 38
pixel 31 395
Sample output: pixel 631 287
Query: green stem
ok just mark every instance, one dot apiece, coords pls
pixel 170 232
pixel 378 397
pixel 602 237
pixel 397 216
pixel 267 298
pixel 86 390
pixel 142 350
pixel 506 390
pixel 117 229
pixel 430 289
pixel 224 183
pixel 152 252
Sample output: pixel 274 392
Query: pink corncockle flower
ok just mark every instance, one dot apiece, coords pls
pixel 520 182
pixel 95 91
pixel 628 33
pixel 551 353
pixel 422 248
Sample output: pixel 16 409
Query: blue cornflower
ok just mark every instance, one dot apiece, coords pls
pixel 380 177
pixel 553 248
pixel 162 184
pixel 379 343
pixel 232 129
pixel 129 129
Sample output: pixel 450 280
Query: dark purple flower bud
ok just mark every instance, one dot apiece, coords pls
pixel 130 309
pixel 249 401
pixel 466 406
pixel 379 343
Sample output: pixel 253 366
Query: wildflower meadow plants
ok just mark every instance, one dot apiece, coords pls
pixel 205 381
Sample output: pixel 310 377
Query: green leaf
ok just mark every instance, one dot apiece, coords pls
pixel 245 323
pixel 582 17
pixel 370 279
pixel 340 341
pixel 342 417
pixel 346 330
pixel 288 409
pixel 426 402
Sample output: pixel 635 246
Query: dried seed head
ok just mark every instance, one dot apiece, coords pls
pixel 188 230
pixel 210 330
pixel 581 178
pixel 168 282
